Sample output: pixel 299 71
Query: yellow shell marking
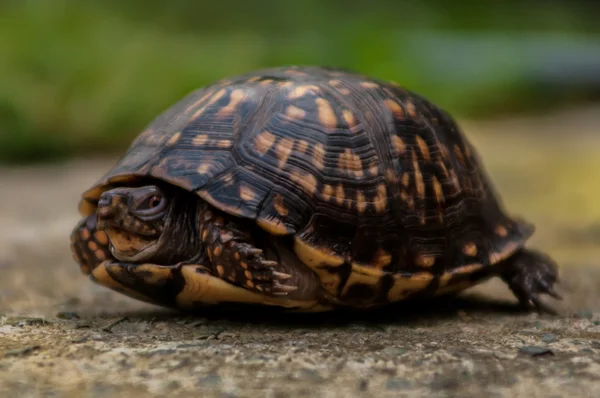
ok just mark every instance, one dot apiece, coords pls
pixel 274 226
pixel 459 155
pixel 293 72
pixel 283 149
pixel 381 259
pixel 307 181
pixel 313 257
pixel 398 145
pixel 437 189
pixel 264 141
pixel 293 112
pixel 327 192
pixel 153 274
pixel 85 208
pixel 337 84
pixel 203 168
pixel 279 205
pixel 319 156
pixel 102 276
pixel 246 193
pixel 357 276
pixel 326 113
pixel 439 196
pixel 507 250
pixel 361 203
pixel 380 201
pixel 395 108
pixel 404 286
pixel 236 97
pixel 301 146
pixel 425 260
pixel 419 184
pixel 390 175
pixel 205 288
pixel 224 144
pixel 373 169
pixel 350 162
pixel 423 147
pixel 369 85
pixel 339 194
pixel 200 139
pixel 301 91
pixel 199 101
pixel 174 138
pixel 411 109
pixel 445 286
pixel 349 118
pixel 214 99
pixel 405 179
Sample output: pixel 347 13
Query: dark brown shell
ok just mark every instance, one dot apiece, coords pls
pixel 359 169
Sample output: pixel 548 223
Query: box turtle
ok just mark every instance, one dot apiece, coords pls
pixel 306 188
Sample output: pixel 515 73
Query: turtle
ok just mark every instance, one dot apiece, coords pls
pixel 304 188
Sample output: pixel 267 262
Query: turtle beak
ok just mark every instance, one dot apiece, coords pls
pixel 111 205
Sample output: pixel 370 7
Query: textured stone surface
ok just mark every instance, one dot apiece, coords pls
pixel 60 335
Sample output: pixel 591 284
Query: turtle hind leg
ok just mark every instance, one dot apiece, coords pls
pixel 89 246
pixel 235 258
pixel 529 274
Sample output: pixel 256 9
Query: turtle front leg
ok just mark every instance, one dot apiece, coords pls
pixel 91 250
pixel 530 273
pixel 235 258
pixel 89 246
pixel 182 285
pixel 174 286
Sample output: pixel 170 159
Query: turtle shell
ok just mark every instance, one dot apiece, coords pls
pixel 382 192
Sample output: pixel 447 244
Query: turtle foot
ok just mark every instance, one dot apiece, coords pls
pixel 530 274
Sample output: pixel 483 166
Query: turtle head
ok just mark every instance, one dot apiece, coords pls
pixel 149 224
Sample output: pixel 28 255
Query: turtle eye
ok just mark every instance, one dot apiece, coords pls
pixel 150 205
pixel 154 201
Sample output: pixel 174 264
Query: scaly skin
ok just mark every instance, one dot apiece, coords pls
pixel 182 285
pixel 528 274
pixel 235 258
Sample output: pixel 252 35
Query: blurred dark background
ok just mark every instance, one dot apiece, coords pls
pixel 83 77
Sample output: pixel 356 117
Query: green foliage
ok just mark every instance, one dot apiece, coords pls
pixel 80 77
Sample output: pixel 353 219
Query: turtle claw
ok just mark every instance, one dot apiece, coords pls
pixel 249 251
pixel 259 273
pixel 282 290
pixel 280 275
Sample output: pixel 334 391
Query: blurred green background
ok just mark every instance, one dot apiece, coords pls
pixel 84 77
